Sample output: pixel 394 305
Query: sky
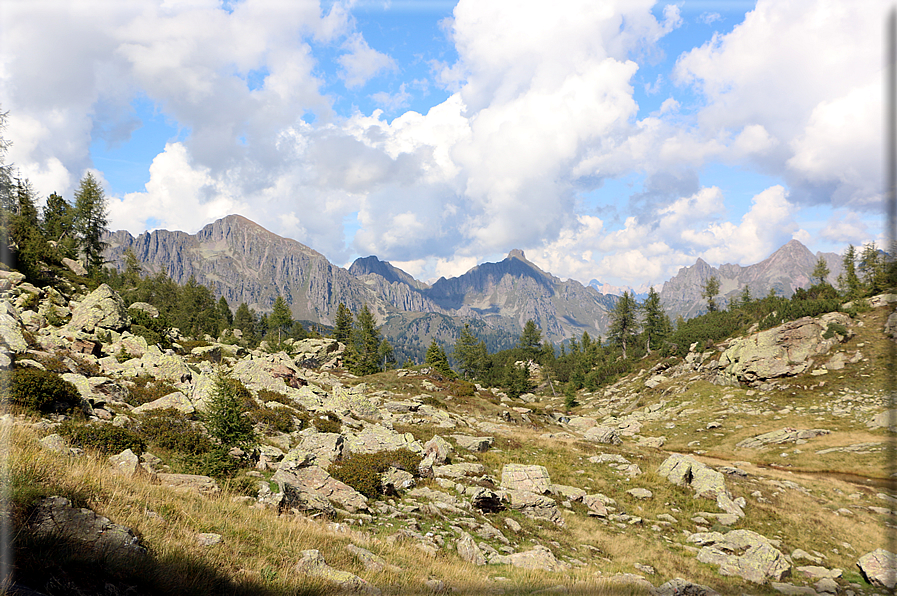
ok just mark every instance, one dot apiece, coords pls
pixel 611 140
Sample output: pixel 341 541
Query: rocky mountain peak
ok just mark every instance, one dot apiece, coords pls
pixel 517 254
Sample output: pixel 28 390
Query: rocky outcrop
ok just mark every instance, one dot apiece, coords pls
pixel 539 557
pixel 786 350
pixel 785 435
pixel 533 479
pixel 743 553
pixel 101 309
pixel 313 564
pixel 314 479
pixel 55 518
pixel 879 568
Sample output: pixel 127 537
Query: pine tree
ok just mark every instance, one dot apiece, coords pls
pixel 530 341
pixel 467 354
pixel 624 321
pixel 849 281
pixel 91 221
pixel 224 312
pixel 709 291
pixel 437 359
pixel 281 319
pixel 57 220
pixel 366 341
pixel 244 320
pixel 655 322
pixel 820 271
pixel 23 231
pixel 224 414
pixel 871 267
pixel 342 330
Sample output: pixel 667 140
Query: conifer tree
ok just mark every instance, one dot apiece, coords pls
pixel 655 323
pixel 437 359
pixel 281 319
pixel 820 271
pixel 467 354
pixel 342 330
pixel 91 221
pixel 709 291
pixel 366 339
pixel 849 281
pixel 531 339
pixel 224 312
pixel 624 322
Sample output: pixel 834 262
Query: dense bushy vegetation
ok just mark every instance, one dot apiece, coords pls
pixel 40 390
pixel 106 438
pixel 364 471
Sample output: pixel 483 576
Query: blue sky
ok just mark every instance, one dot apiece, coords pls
pixel 610 140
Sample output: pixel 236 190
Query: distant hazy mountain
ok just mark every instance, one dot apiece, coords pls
pixel 640 293
pixel 785 270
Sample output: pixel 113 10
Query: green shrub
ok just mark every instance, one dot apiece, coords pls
pixel 363 471
pixel 224 419
pixel 102 436
pixel 266 395
pixel 280 419
pixel 462 388
pixel 327 422
pixel 171 430
pixel 243 485
pixel 217 463
pixel 151 337
pixel 147 389
pixel 834 328
pixel 41 391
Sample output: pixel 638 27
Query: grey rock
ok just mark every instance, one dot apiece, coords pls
pixel 176 400
pixel 603 434
pixel 486 500
pixel 817 572
pixel 777 437
pixel 534 479
pixel 792 590
pixel 469 551
pixel 190 482
pixel 11 328
pixel 440 450
pixel 477 444
pixel 55 516
pixel 534 505
pixel 393 480
pixel 314 479
pixel 101 309
pixel 209 539
pixel 640 493
pixel 324 449
pixel 539 557
pixel 371 561
pixel 145 308
pixel 375 438
pixel 879 567
pixel 826 586
pixel 681 587
pixel 743 553
pixel 458 471
pixel 127 464
pixel 74 266
pixel 312 564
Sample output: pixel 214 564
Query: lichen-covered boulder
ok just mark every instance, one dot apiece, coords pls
pixel 374 438
pixel 11 328
pixel 539 557
pixel 880 568
pixel 55 517
pixel 534 479
pixel 315 479
pixel 312 564
pixel 742 553
pixel 101 309
pixel 603 434
pixel 176 400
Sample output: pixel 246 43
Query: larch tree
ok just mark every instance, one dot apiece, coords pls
pixel 342 329
pixel 709 291
pixel 624 322
pixel 655 322
pixel 91 221
pixel 820 271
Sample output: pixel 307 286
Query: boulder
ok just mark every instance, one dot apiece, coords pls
pixel 126 463
pixel 325 448
pixel 603 434
pixel 439 448
pixel 175 400
pixel 393 480
pixel 477 444
pixel 534 479
pixel 101 309
pixel 486 500
pixel 74 266
pixel 296 498
pixel 312 564
pixel 146 308
pixel 681 587
pixel 11 328
pixel 374 438
pixel 743 553
pixel 352 402
pixel 190 482
pixel 539 557
pixel 55 517
pixel 879 568
pixel 785 435
pixel 534 505
pixel 886 419
pixel 458 471
pixel 785 350
pixel 684 470
pixel 314 479
pixel 371 561
pixel 469 551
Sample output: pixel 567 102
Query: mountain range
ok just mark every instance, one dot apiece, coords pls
pixel 243 262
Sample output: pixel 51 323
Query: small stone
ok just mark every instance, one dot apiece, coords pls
pixel 640 493
pixel 209 539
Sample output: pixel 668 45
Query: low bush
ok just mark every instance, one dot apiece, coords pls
pixel 266 395
pixel 217 463
pixel 363 471
pixel 147 389
pixel 279 419
pixel 102 437
pixel 41 391
pixel 328 422
pixel 171 430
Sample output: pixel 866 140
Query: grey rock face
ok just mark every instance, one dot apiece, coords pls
pixel 777 437
pixel 534 505
pixel 477 444
pixel 190 482
pixel 743 553
pixel 101 309
pixel 314 479
pixel 469 551
pixel 56 517
pixel 534 479
pixel 539 557
pixel 603 434
pixel 313 564
pixel 681 587
pixel 880 568
pixel 176 400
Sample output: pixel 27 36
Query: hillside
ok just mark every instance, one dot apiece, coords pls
pixel 756 467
